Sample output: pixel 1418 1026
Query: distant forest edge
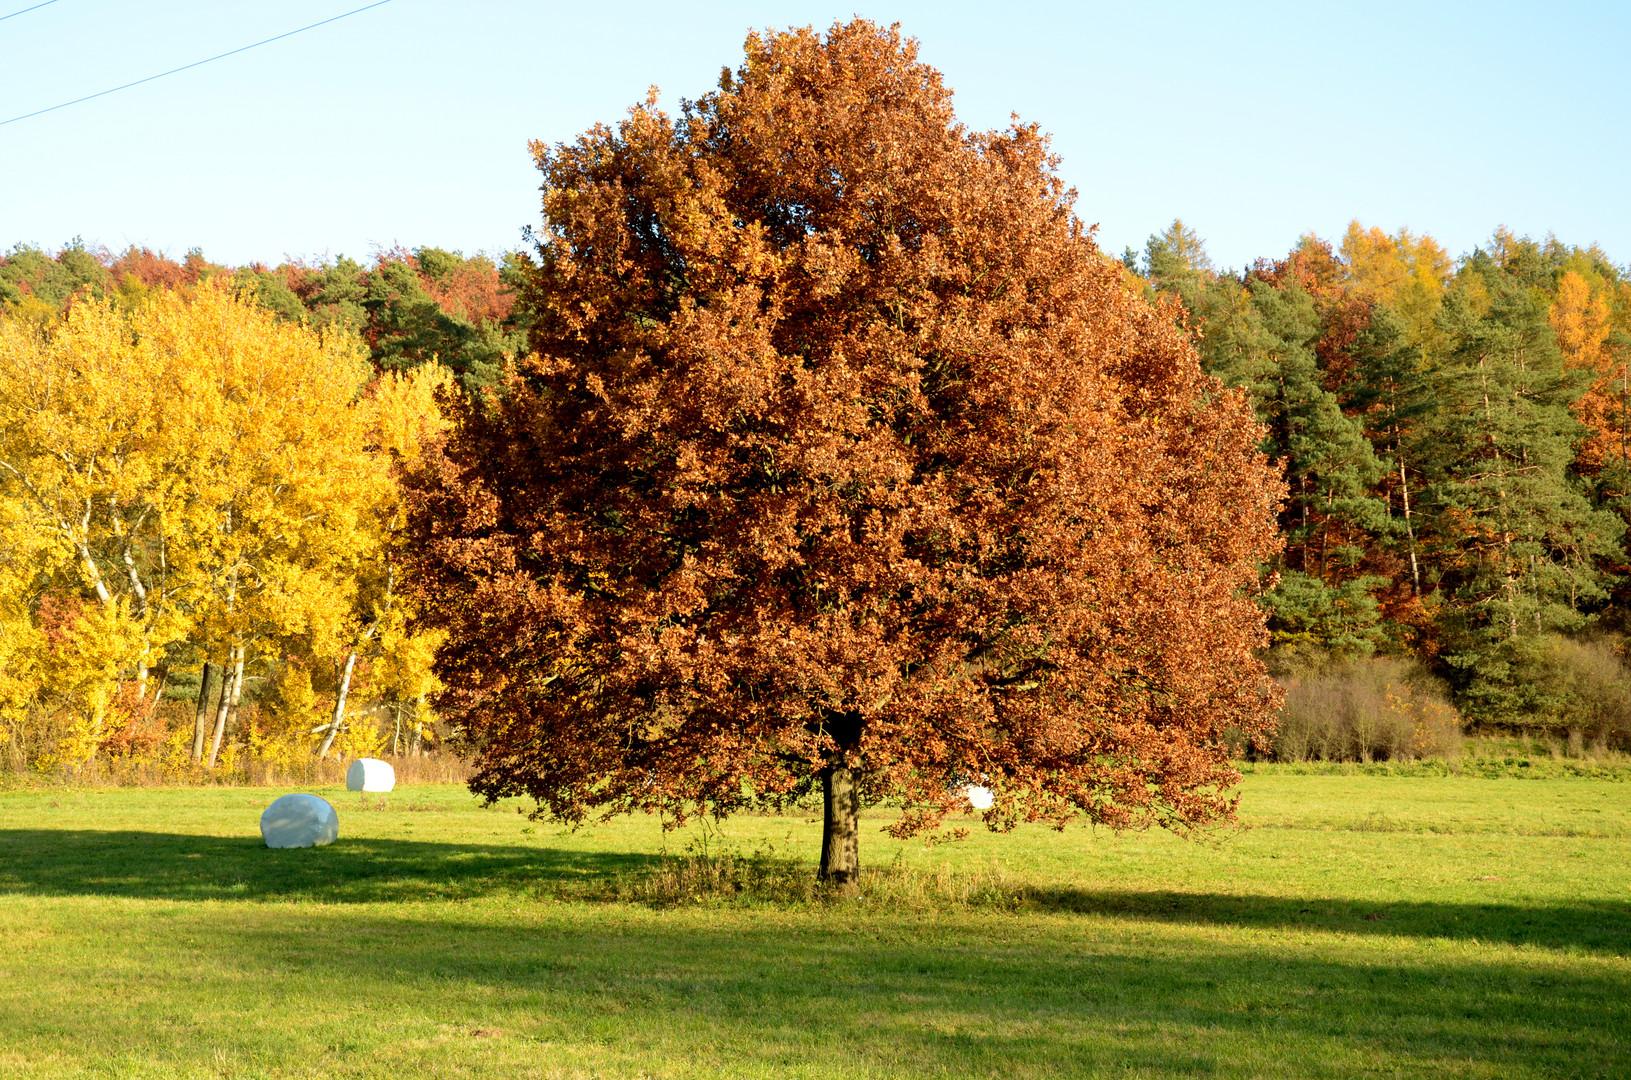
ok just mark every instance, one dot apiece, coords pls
pixel 406 306
pixel 1453 434
pixel 1454 439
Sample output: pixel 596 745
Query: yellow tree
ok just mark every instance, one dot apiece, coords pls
pixel 402 412
pixel 28 553
pixel 82 464
pixel 213 472
pixel 407 680
pixel 1406 272
pixel 282 477
pixel 1581 318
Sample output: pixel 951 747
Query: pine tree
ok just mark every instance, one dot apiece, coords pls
pixel 1519 542
pixel 1261 335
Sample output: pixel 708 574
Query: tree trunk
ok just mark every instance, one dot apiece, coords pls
pixel 1500 491
pixel 237 689
pixel 339 705
pixel 1410 531
pixel 140 590
pixel 201 720
pixel 229 701
pixel 840 834
pixel 94 574
pixel 158 695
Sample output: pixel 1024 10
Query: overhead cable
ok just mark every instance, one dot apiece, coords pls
pixel 196 63
pixel 26 10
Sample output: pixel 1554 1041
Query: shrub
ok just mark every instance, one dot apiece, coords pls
pixel 1377 709
pixel 1581 691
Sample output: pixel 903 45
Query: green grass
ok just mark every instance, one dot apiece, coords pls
pixel 1491 766
pixel 1360 925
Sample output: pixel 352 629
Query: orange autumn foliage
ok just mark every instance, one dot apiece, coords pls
pixel 1581 320
pixel 468 288
pixel 154 270
pixel 844 456
pixel 472 290
pixel 1407 272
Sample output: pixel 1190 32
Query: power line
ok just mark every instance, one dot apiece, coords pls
pixel 186 67
pixel 26 10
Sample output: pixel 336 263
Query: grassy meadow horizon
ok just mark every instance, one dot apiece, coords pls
pixel 1351 925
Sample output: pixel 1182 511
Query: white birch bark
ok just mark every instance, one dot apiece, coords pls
pixel 229 701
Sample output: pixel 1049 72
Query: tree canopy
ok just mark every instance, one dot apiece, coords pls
pixel 844 456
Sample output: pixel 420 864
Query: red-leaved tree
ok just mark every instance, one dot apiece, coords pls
pixel 844 457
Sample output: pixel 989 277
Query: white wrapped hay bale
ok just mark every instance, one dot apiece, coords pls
pixel 299 821
pixel 370 774
pixel 979 796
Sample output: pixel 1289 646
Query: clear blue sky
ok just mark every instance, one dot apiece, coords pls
pixel 409 123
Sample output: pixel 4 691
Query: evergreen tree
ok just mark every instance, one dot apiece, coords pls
pixel 408 326
pixel 1519 542
pixel 1390 392
pixel 1261 335
pixel 1176 262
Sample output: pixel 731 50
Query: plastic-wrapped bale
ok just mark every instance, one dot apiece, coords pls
pixel 299 821
pixel 979 796
pixel 370 774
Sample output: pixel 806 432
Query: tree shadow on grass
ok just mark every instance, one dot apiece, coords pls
pixel 182 866
pixel 1599 926
pixel 178 866
pixel 881 990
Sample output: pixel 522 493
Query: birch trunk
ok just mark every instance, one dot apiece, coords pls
pixel 339 704
pixel 230 691
pixel 158 695
pixel 201 718
pixel 345 682
pixel 237 688
pixel 137 587
pixel 95 575
pixel 1410 531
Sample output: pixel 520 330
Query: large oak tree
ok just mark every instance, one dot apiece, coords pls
pixel 844 456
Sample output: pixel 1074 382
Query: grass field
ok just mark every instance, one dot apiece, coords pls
pixel 1357 926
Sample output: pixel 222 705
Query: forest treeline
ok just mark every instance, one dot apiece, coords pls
pixel 407 307
pixel 199 465
pixel 1453 433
